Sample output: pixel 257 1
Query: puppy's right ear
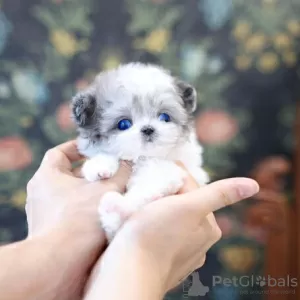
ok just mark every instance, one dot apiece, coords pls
pixel 84 108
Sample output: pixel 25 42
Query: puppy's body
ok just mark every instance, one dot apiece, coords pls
pixel 140 113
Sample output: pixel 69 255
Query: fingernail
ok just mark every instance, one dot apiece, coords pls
pixel 127 164
pixel 247 187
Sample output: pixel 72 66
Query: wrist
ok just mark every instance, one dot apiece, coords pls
pixel 131 269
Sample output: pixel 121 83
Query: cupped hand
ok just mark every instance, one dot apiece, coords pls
pixel 58 198
pixel 173 234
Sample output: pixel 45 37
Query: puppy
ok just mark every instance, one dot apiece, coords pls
pixel 141 113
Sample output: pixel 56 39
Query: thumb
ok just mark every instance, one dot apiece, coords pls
pixel 218 194
pixel 119 181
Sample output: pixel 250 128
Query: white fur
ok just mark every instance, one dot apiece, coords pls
pixel 152 178
pixel 155 173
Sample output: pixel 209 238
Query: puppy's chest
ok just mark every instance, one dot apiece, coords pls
pixel 147 169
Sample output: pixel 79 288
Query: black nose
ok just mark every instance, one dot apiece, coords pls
pixel 147 130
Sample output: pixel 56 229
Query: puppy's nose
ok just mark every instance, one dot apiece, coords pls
pixel 147 130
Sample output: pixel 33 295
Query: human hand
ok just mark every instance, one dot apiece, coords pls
pixel 170 237
pixel 65 206
pixel 57 196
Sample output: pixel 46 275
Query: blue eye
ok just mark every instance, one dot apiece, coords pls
pixel 164 117
pixel 124 124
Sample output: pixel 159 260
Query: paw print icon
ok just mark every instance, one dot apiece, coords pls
pixel 197 288
pixel 261 281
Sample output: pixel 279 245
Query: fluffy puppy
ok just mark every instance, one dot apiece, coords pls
pixel 137 112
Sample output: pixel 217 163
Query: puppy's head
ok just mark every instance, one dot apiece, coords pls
pixel 134 110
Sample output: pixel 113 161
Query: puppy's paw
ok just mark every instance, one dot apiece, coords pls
pixel 100 167
pixel 154 181
pixel 200 175
pixel 112 213
pixel 175 180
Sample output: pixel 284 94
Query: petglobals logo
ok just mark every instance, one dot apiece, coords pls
pixel 251 281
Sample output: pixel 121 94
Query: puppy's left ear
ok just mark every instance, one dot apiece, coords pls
pixel 188 94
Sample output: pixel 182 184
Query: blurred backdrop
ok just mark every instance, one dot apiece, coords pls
pixel 243 58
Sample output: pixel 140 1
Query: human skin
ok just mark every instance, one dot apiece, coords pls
pixel 65 237
pixel 164 242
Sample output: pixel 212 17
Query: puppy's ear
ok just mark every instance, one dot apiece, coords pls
pixel 188 94
pixel 84 108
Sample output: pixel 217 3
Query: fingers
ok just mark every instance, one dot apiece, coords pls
pixel 119 181
pixel 219 194
pixel 62 156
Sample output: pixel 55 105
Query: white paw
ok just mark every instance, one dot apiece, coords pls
pixel 200 175
pixel 100 167
pixel 155 181
pixel 112 213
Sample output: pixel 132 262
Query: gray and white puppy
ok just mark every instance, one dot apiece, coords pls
pixel 137 112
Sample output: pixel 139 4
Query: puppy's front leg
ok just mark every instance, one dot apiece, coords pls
pixel 153 179
pixel 101 166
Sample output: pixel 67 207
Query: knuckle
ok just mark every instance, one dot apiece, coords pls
pixel 221 194
pixel 217 233
pixel 51 154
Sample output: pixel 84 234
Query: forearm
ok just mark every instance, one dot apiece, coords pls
pixel 40 268
pixel 124 274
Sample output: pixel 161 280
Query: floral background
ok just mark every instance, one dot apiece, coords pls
pixel 243 58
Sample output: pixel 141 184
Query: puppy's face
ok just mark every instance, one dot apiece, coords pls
pixel 135 110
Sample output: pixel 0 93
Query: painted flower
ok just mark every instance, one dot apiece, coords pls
pixel 193 61
pixel 63 118
pixel 64 42
pixel 157 40
pixel 294 27
pixel 19 198
pixel 238 258
pixel 241 30
pixel 282 41
pixel 5 30
pixel 268 62
pixel 243 62
pixel 14 154
pixel 256 42
pixel 29 86
pixel 216 127
pixel 290 58
pixel 111 61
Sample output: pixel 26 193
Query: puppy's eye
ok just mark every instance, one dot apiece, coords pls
pixel 124 124
pixel 164 117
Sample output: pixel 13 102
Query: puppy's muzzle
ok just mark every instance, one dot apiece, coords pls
pixel 148 131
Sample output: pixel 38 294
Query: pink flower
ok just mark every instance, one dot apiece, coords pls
pixel 63 117
pixel 15 154
pixel 215 127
